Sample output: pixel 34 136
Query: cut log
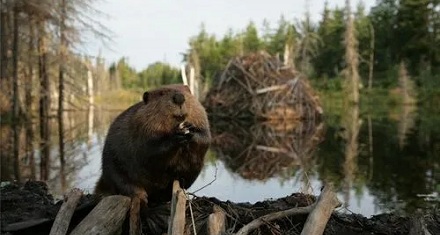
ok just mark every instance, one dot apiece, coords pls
pixel 25 224
pixel 62 220
pixel 216 221
pixel 178 203
pixel 323 209
pixel 106 218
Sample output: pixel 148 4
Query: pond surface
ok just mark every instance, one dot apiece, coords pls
pixel 379 161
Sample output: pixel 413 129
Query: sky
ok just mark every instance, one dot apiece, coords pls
pixel 147 31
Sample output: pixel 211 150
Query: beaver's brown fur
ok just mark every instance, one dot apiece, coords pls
pixel 154 142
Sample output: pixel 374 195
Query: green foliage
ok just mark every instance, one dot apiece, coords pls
pixel 154 75
pixel 364 33
pixel 309 43
pixel 329 60
pixel 251 41
pixel 158 74
pixel 413 32
pixel 383 18
pixel 407 30
pixel 284 33
pixel 126 73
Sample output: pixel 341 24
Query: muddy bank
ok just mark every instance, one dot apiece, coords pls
pixel 29 209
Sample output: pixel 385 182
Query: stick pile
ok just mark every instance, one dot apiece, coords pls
pixel 259 86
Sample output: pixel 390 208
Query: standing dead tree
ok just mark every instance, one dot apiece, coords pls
pixel 351 58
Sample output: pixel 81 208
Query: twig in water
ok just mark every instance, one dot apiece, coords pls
pixel 212 181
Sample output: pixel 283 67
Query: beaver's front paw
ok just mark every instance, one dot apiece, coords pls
pixel 186 127
pixel 184 132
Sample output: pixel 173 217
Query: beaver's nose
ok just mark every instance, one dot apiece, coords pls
pixel 178 98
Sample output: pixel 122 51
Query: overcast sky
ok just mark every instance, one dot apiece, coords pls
pixel 147 31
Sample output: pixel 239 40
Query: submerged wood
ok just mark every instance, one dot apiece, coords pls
pixel 62 220
pixel 106 218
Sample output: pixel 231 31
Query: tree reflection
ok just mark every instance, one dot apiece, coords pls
pixel 394 174
pixel 65 149
pixel 351 124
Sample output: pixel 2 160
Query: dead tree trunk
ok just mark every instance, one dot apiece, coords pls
pixel 44 101
pixel 15 41
pixel 3 40
pixel 61 72
pixel 351 58
pixel 28 100
pixel 371 61
pixel 15 95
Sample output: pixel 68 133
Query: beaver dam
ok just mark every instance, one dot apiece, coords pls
pixel 29 209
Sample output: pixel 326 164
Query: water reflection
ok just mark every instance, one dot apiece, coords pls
pixel 378 161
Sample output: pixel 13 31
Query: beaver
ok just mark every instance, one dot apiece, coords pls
pixel 154 142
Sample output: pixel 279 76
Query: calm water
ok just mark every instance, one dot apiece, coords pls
pixel 379 161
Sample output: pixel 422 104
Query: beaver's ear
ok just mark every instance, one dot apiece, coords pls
pixel 187 88
pixel 145 97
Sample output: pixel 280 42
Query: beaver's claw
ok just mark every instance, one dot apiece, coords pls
pixel 184 132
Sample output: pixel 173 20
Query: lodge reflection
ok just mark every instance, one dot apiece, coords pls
pixel 258 151
pixel 394 157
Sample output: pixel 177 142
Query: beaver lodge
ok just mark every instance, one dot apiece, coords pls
pixel 259 86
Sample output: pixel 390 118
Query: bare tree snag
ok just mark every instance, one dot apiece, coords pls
pixel 351 57
pixel 176 224
pixel 62 220
pixel 322 210
pixel 216 221
pixel 371 60
pixel 106 218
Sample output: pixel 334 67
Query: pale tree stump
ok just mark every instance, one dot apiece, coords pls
pixel 323 209
pixel 176 224
pixel 106 218
pixel 64 215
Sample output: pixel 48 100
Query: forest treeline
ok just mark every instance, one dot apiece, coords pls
pixel 41 63
pixel 389 33
pixel 43 72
